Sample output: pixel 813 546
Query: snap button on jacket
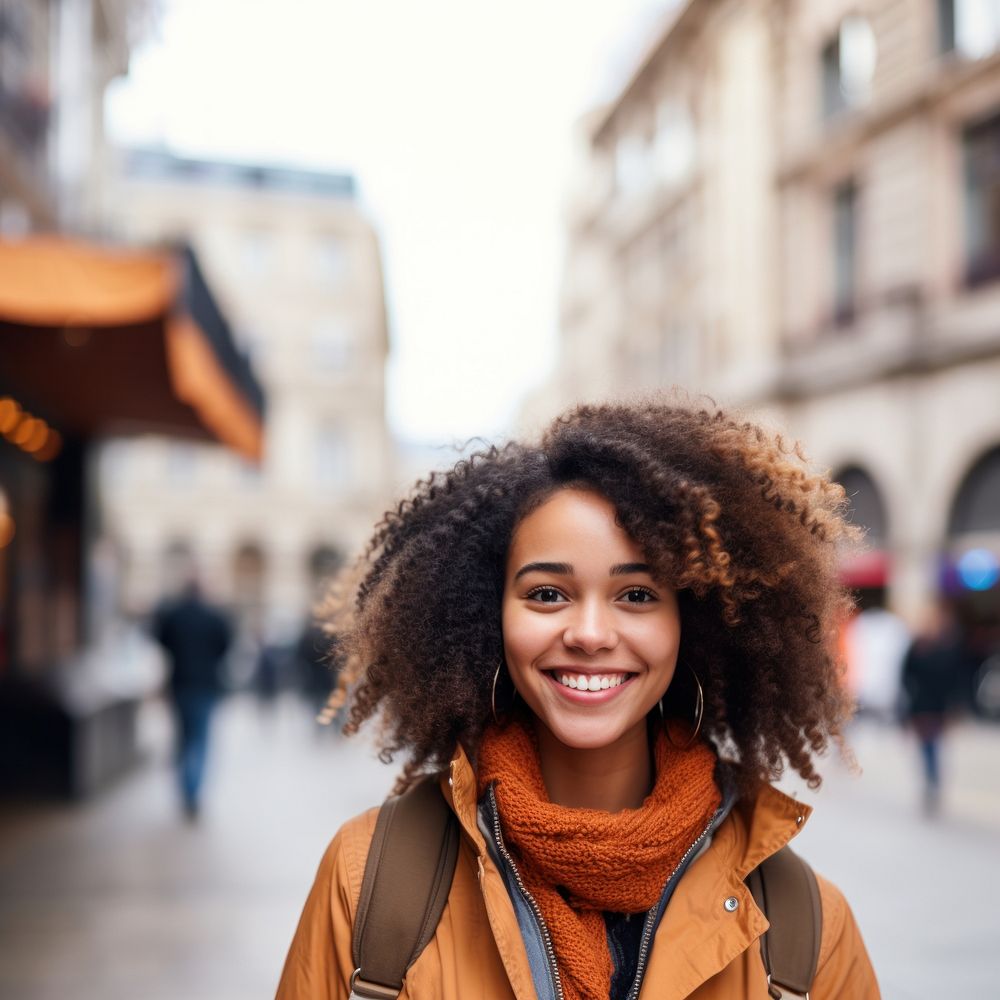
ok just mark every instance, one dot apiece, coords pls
pixel 703 948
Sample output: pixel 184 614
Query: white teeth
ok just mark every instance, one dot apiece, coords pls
pixel 593 682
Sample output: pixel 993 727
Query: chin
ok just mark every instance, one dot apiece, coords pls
pixel 586 733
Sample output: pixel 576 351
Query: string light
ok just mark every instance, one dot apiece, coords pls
pixel 6 529
pixel 51 448
pixel 6 522
pixel 10 415
pixel 28 432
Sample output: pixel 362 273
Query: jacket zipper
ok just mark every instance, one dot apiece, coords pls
pixel 546 937
pixel 647 930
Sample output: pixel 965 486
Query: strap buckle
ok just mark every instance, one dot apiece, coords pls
pixel 361 989
pixel 783 992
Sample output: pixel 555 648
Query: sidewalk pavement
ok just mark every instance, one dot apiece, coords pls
pixel 923 889
pixel 120 899
pixel 970 765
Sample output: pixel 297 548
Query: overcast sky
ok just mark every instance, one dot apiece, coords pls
pixel 455 116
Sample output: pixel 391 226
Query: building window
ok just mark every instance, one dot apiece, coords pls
pixel 333 457
pixel 675 142
pixel 969 27
pixel 256 253
pixel 631 165
pixel 982 201
pixel 848 66
pixel 246 473
pixel 330 260
pixel 845 211
pixel 332 346
pixel 182 464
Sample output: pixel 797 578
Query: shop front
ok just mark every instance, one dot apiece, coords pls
pixel 95 343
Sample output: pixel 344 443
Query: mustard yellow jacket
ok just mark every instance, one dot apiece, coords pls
pixel 702 949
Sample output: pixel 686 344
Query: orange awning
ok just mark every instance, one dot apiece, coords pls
pixel 114 341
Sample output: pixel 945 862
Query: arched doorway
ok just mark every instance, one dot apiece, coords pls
pixel 249 568
pixel 324 562
pixel 874 641
pixel 976 509
pixel 177 566
pixel 866 571
pixel 971 572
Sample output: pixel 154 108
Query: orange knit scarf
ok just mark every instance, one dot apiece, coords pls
pixel 580 862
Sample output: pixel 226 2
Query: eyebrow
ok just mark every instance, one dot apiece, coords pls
pixel 565 569
pixel 626 569
pixel 562 569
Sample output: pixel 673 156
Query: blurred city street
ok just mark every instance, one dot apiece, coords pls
pixel 119 898
pixel 923 890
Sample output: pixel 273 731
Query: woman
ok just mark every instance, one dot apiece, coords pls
pixel 609 644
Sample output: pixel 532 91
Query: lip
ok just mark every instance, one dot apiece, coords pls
pixel 579 697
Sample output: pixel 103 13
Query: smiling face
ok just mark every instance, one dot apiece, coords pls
pixel 589 637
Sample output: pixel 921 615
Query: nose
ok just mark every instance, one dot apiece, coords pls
pixel 591 628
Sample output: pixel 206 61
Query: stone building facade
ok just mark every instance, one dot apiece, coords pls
pixel 57 58
pixel 297 268
pixel 794 205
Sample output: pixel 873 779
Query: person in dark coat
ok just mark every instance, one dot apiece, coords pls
pixel 931 676
pixel 196 637
pixel 318 663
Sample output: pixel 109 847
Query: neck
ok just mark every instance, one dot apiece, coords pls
pixel 610 778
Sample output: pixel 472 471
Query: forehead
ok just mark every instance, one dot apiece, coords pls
pixel 573 522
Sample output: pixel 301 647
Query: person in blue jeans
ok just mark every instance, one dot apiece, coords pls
pixel 932 672
pixel 196 637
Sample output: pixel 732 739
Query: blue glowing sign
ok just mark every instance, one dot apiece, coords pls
pixel 979 569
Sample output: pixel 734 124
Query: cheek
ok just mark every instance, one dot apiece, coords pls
pixel 660 637
pixel 526 634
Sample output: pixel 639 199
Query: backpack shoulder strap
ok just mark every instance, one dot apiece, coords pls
pixel 411 862
pixel 785 888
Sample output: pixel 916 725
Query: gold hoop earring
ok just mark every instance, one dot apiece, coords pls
pixel 699 713
pixel 493 693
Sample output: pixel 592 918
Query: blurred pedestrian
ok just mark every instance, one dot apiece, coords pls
pixel 317 663
pixel 931 686
pixel 268 674
pixel 196 637
pixel 876 641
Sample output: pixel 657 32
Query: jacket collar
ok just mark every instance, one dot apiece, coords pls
pixel 704 936
pixel 460 792
pixel 459 788
pixel 702 931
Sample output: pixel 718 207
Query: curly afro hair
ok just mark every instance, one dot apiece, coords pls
pixel 727 513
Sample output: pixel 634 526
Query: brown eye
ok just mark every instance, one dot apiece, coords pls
pixel 639 595
pixel 545 595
